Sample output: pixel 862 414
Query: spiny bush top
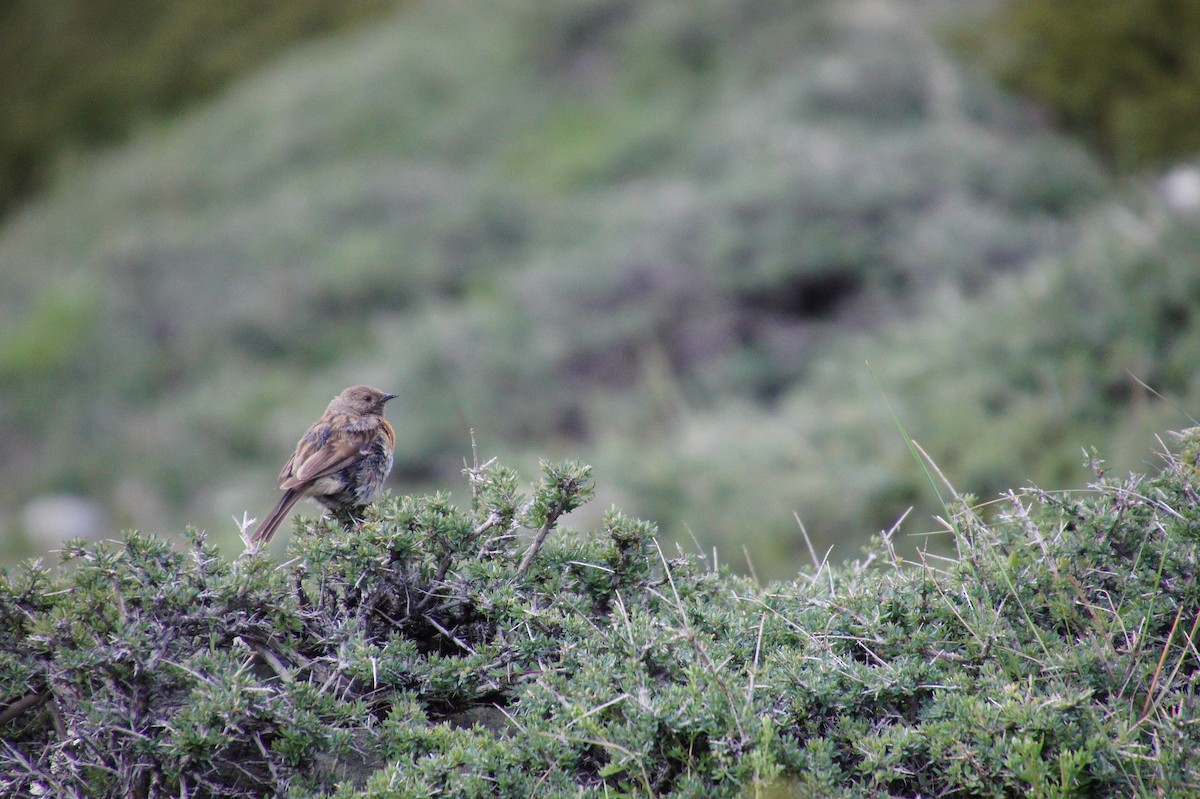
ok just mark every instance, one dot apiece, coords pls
pixel 432 650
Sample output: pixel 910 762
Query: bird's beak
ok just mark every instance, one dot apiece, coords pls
pixel 387 397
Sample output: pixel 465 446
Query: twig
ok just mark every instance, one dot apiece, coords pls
pixel 762 620
pixel 466 647
pixel 750 565
pixel 273 661
pixel 540 536
pixel 1151 702
pixel 820 564
pixel 27 702
pixel 491 521
pixel 887 537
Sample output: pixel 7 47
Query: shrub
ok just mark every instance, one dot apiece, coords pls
pixel 427 651
pixel 1123 75
pixel 87 72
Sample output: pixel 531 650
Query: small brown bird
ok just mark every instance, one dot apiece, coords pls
pixel 340 462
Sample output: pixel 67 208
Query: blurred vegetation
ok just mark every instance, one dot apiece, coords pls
pixel 1122 74
pixel 433 651
pixel 719 248
pixel 82 72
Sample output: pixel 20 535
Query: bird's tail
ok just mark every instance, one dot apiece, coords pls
pixel 264 532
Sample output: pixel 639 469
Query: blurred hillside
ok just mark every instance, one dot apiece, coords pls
pixel 85 72
pixel 666 238
pixel 1124 75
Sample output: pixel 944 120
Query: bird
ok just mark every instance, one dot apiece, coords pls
pixel 341 461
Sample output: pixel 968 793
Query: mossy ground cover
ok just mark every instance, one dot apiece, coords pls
pixel 433 649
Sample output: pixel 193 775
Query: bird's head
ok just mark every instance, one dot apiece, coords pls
pixel 361 399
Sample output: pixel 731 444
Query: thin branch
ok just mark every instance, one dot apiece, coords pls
pixel 27 702
pixel 273 661
pixel 540 537
pixel 466 647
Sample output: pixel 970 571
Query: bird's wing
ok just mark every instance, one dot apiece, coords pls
pixel 325 450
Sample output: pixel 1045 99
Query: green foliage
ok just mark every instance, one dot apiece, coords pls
pixel 55 331
pixel 1123 74
pixel 410 654
pixel 89 71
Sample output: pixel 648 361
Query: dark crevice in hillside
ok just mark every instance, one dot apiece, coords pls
pixel 805 297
